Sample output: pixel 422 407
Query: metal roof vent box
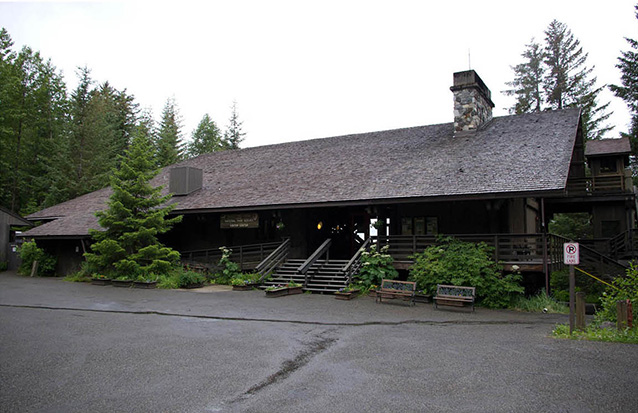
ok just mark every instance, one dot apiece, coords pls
pixel 184 180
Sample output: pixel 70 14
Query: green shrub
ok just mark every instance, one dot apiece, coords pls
pixel 595 333
pixel 624 288
pixel 190 277
pixel 4 265
pixel 455 262
pixel 30 252
pixel 375 266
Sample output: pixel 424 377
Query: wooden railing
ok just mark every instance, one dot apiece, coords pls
pixel 319 252
pixel 600 184
pixel 353 266
pixel 247 256
pixel 273 260
pixel 507 247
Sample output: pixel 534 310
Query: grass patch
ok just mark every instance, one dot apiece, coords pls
pixel 541 303
pixel 596 333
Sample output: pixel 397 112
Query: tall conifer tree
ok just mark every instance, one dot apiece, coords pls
pixel 234 135
pixel 128 246
pixel 206 138
pixel 555 76
pixel 169 140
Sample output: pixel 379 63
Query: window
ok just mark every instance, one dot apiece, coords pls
pixel 608 165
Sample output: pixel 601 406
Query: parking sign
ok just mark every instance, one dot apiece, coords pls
pixel 571 253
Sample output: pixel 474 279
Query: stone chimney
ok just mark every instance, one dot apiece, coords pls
pixel 472 102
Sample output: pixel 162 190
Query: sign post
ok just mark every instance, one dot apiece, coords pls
pixel 571 256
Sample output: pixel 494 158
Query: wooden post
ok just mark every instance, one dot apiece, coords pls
pixel 572 289
pixel 580 311
pixel 621 311
pixel 34 268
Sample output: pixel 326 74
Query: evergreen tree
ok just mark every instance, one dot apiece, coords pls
pixel 568 82
pixel 206 138
pixel 234 136
pixel 555 76
pixel 528 80
pixel 628 65
pixel 128 246
pixel 169 141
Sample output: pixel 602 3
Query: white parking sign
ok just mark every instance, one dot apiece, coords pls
pixel 571 253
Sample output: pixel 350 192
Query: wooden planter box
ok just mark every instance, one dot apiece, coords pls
pixel 295 290
pixel 245 287
pixel 280 292
pixel 121 283
pixel 145 284
pixel 100 281
pixel 346 295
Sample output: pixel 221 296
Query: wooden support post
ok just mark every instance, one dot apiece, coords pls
pixel 572 299
pixel 34 268
pixel 622 317
pixel 580 311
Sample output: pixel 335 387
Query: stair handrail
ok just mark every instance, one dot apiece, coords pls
pixel 303 268
pixel 352 267
pixel 273 260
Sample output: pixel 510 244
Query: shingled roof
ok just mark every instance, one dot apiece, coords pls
pixel 604 147
pixel 511 155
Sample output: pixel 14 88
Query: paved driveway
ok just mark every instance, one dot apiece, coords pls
pixel 68 347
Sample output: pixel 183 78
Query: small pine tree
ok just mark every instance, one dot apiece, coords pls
pixel 128 247
pixel 206 138
pixel 528 80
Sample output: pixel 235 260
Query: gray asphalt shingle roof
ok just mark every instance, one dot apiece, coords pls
pixel 508 155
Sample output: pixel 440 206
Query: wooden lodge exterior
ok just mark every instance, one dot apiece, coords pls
pixel 498 180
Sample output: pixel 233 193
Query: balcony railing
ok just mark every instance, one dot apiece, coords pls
pixel 599 184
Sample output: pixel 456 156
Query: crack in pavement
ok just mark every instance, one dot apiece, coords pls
pixel 315 347
pixel 303 322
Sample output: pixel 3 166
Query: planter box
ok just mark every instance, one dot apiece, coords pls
pixel 279 292
pixel 422 298
pixel 121 283
pixel 346 295
pixel 100 281
pixel 295 290
pixel 245 287
pixel 145 284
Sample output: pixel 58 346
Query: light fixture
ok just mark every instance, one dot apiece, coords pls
pixel 320 225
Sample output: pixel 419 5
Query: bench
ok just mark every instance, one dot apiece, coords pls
pixel 454 295
pixel 396 289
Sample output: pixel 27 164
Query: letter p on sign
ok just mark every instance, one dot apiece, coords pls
pixel 571 253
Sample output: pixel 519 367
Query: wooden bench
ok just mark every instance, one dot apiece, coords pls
pixel 454 295
pixel 396 289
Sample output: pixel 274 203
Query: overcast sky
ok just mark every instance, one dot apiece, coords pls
pixel 310 69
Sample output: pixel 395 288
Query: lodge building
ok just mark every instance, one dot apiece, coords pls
pixel 306 209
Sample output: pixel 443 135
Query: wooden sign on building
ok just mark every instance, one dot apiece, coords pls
pixel 239 221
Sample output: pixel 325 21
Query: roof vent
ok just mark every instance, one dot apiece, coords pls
pixel 184 180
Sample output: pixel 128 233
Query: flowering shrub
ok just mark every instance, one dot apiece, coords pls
pixel 229 269
pixel 375 266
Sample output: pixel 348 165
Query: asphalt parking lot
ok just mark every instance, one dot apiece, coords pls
pixel 68 347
